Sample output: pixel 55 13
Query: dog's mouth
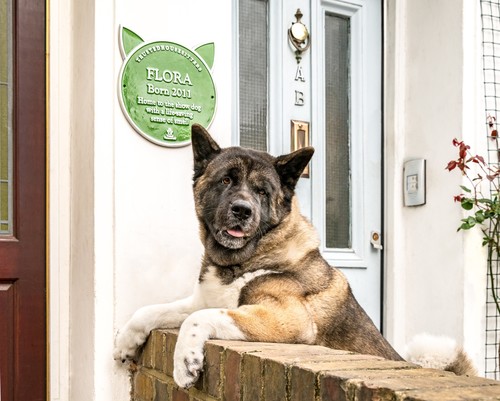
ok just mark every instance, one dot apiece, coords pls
pixel 234 224
pixel 235 232
pixel 233 238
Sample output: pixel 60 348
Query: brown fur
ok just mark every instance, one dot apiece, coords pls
pixel 462 365
pixel 307 294
pixel 262 267
pixel 302 299
pixel 297 296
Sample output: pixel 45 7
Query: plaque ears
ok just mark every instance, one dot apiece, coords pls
pixel 129 40
pixel 207 53
pixel 298 35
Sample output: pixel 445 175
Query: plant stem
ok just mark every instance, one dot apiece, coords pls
pixel 495 235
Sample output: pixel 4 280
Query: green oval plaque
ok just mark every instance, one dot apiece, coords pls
pixel 164 89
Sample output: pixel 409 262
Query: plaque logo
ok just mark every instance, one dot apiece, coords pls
pixel 165 87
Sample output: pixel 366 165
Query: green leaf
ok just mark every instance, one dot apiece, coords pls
pixel 487 241
pixel 465 189
pixel 467 203
pixel 486 201
pixel 465 226
pixel 489 213
pixel 480 216
pixel 207 53
pixel 471 221
pixel 129 40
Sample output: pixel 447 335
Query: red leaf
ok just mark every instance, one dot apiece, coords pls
pixel 463 150
pixel 451 165
pixel 462 166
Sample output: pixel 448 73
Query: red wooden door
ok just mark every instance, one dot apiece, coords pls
pixel 23 356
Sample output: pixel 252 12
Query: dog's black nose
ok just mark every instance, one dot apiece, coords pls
pixel 241 209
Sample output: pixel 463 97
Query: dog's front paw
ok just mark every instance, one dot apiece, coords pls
pixel 188 354
pixel 188 365
pixel 127 341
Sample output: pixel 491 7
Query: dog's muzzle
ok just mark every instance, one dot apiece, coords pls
pixel 237 224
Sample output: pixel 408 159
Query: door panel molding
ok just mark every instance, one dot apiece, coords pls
pixel 360 260
pixel 354 257
pixel 23 255
pixel 361 263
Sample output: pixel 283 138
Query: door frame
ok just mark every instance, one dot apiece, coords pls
pixel 365 118
pixel 366 105
pixel 25 252
pixel 356 256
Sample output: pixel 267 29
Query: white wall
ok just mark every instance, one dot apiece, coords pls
pixel 122 230
pixel 126 235
pixel 157 251
pixel 154 211
pixel 435 276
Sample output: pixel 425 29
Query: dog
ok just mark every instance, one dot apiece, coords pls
pixel 262 275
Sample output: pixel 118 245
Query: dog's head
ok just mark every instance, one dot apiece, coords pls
pixel 240 194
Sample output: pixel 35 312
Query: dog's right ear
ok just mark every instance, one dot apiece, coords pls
pixel 291 166
pixel 204 149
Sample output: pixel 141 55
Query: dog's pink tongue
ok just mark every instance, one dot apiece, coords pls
pixel 235 233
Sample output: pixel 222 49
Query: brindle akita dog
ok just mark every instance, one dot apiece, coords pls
pixel 262 275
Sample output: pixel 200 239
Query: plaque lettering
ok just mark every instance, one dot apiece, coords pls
pixel 165 88
pixel 168 76
pixel 299 74
pixel 299 98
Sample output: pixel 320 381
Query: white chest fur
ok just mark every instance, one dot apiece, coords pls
pixel 212 293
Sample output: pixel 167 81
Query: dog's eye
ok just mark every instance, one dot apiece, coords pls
pixel 261 192
pixel 226 181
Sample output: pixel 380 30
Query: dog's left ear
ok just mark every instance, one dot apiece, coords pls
pixel 204 148
pixel 291 166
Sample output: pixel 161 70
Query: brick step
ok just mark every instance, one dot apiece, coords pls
pixel 245 371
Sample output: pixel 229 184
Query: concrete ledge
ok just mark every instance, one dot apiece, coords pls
pixel 245 371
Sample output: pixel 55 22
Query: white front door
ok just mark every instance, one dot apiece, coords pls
pixel 336 90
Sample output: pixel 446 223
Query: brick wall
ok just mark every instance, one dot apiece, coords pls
pixel 245 371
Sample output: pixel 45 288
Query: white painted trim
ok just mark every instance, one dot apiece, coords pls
pixel 317 114
pixel 235 121
pixel 354 257
pixel 59 209
pixel 276 137
pixel 104 73
pixel 474 133
pixel 361 264
pixel 394 145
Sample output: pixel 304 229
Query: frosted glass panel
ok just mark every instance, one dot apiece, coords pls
pixel 253 53
pixel 5 119
pixel 338 158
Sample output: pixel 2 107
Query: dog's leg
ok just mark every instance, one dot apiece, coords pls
pixel 195 331
pixel 137 329
pixel 271 323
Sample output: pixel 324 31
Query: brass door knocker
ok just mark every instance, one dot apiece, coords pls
pixel 299 36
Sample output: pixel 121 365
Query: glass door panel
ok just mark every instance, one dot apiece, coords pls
pixel 253 73
pixel 337 131
pixel 5 119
